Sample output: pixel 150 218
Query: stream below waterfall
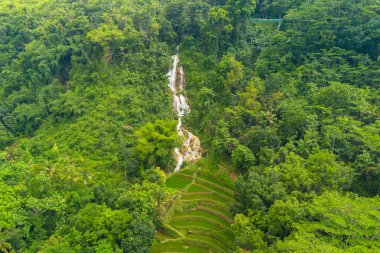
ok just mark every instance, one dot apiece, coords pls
pixel 191 147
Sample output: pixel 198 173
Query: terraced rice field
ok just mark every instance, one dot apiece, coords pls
pixel 199 221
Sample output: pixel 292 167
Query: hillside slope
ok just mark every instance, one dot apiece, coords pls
pixel 199 219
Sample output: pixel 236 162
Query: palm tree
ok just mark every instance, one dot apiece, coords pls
pixel 6 247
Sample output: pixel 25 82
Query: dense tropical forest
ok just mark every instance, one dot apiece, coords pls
pixel 284 97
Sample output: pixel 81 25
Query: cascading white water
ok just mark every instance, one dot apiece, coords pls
pixel 191 147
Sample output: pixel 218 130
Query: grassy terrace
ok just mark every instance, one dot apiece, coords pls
pixel 200 214
pixel 178 246
pixel 178 182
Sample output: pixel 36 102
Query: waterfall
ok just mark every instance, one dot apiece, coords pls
pixel 191 147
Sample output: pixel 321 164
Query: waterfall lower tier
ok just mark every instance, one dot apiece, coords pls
pixel 191 146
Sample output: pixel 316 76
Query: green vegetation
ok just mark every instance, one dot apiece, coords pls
pixel 74 84
pixel 205 214
pixel 202 195
pixel 155 143
pixel 178 182
pixel 180 246
pixel 294 105
pixel 196 188
pixel 199 225
pixel 284 96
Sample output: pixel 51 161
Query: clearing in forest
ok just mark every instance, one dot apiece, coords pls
pixel 199 219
